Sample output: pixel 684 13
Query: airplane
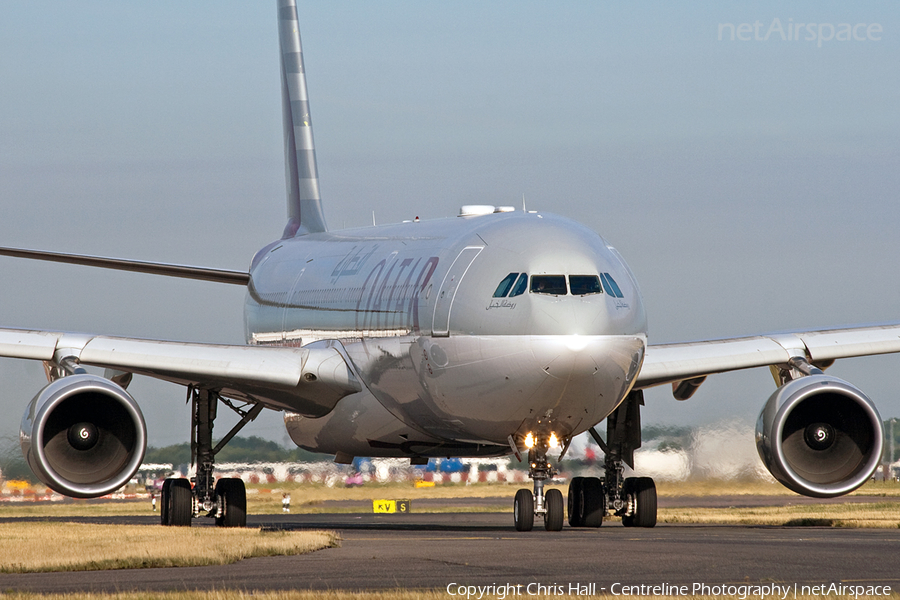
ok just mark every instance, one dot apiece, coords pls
pixel 432 338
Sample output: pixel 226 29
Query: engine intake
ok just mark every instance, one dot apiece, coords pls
pixel 83 436
pixel 820 436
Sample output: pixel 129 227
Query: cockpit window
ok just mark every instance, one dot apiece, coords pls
pixel 521 285
pixel 549 284
pixel 610 285
pixel 503 289
pixel 582 285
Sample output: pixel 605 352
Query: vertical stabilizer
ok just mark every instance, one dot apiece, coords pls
pixel 302 176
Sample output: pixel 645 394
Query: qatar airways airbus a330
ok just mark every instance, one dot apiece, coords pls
pixel 431 339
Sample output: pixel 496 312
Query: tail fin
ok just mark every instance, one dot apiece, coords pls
pixel 302 176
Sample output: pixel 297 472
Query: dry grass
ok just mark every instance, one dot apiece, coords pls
pixel 756 487
pixel 308 498
pixel 78 508
pixel 80 546
pixel 876 515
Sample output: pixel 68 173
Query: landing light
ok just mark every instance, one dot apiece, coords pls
pixel 554 442
pixel 529 440
pixel 576 343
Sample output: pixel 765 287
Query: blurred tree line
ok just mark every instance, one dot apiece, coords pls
pixel 240 449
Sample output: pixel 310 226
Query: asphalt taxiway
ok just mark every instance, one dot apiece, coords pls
pixel 422 550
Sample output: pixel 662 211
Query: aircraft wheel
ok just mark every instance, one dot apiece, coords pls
pixel 593 502
pixel 644 492
pixel 553 519
pixel 574 504
pixel 232 497
pixel 524 510
pixel 164 494
pixel 181 503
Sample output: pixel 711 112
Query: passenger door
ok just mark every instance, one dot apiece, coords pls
pixel 444 301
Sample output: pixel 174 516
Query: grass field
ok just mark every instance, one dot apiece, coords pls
pixel 873 515
pixel 82 547
pixel 309 498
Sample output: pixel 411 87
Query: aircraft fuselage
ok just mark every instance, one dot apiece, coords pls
pixel 476 298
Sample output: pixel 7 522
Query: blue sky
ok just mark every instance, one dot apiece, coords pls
pixel 751 185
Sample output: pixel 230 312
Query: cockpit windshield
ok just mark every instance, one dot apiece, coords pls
pixel 521 285
pixel 581 285
pixel 516 284
pixel 503 289
pixel 549 284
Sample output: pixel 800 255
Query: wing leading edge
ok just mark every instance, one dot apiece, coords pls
pixel 308 381
pixel 137 266
pixel 674 363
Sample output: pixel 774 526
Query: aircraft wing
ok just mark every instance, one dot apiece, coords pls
pixel 306 381
pixel 136 266
pixel 676 363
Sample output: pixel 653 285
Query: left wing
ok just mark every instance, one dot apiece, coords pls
pixel 308 381
pixel 677 363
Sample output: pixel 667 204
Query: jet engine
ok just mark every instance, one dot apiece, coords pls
pixel 820 436
pixel 83 436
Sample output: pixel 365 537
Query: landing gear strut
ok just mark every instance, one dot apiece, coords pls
pixel 225 500
pixel 549 505
pixel 632 498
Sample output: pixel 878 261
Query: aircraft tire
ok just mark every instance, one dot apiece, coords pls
pixel 524 510
pixel 232 496
pixel 181 503
pixel 554 517
pixel 164 495
pixel 593 502
pixel 644 491
pixel 574 501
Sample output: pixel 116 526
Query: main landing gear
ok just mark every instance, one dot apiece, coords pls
pixel 632 498
pixel 590 499
pixel 226 501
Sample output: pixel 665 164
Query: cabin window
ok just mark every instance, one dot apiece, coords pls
pixel 503 289
pixel 521 285
pixel 549 284
pixel 610 285
pixel 582 285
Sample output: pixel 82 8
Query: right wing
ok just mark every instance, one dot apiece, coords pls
pixel 674 363
pixel 308 381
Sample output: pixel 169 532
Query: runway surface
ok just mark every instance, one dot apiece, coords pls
pixel 436 550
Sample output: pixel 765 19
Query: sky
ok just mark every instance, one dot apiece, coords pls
pixel 750 181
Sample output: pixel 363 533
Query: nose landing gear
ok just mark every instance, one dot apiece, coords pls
pixel 549 505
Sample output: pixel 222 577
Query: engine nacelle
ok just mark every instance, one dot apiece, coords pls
pixel 83 436
pixel 820 436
